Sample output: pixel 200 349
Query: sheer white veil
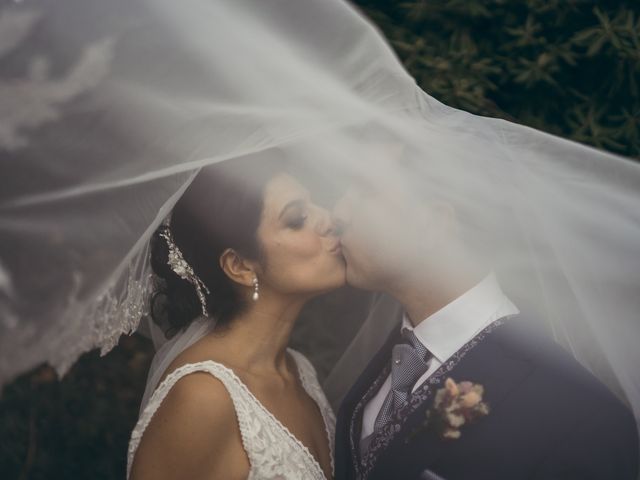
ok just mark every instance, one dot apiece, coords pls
pixel 109 109
pixel 168 350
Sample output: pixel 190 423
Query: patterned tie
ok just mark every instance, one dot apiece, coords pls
pixel 409 360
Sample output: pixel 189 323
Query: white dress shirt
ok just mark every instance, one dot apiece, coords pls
pixel 446 331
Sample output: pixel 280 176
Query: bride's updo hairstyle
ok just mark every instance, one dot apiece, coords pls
pixel 221 209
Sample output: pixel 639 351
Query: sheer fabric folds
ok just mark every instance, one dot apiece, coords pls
pixel 109 109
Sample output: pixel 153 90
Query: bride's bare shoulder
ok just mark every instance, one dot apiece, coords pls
pixel 194 421
pixel 200 392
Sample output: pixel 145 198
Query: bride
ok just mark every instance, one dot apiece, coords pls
pixel 247 247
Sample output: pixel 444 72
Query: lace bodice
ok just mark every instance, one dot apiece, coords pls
pixel 273 451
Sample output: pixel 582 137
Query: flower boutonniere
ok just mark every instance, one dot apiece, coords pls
pixel 454 406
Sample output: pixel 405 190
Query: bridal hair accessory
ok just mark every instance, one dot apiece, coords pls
pixel 256 286
pixel 454 406
pixel 182 268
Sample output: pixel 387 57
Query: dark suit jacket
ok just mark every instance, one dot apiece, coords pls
pixel 549 418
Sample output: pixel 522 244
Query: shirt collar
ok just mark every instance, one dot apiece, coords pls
pixel 447 330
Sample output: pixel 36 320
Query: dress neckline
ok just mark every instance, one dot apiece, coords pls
pixel 304 381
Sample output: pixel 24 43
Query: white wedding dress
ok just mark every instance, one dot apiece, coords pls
pixel 273 451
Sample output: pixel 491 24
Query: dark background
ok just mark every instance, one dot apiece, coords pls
pixel 569 67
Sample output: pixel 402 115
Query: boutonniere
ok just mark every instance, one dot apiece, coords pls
pixel 454 406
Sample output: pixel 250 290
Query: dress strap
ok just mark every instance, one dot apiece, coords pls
pixel 219 371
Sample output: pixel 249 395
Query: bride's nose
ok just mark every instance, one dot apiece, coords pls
pixel 324 224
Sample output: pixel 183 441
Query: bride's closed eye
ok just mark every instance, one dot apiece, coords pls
pixel 294 214
pixel 297 222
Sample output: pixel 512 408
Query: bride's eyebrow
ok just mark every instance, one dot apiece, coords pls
pixel 293 203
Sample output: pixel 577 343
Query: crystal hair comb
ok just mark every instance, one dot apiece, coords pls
pixel 182 268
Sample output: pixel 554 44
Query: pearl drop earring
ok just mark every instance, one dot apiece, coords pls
pixel 255 295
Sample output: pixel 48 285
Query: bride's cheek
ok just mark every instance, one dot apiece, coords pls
pixel 298 249
pixel 308 245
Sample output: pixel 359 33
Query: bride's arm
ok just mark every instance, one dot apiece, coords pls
pixel 193 434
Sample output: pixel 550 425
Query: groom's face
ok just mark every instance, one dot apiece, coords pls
pixel 375 224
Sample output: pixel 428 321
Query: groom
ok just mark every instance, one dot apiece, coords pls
pixel 529 410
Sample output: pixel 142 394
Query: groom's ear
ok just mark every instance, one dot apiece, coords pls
pixel 237 268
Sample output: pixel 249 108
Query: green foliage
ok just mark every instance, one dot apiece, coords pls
pixel 79 427
pixel 569 67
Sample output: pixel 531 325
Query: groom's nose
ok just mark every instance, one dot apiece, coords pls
pixel 324 224
pixel 341 214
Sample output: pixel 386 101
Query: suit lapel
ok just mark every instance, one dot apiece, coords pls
pixel 349 424
pixel 375 375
